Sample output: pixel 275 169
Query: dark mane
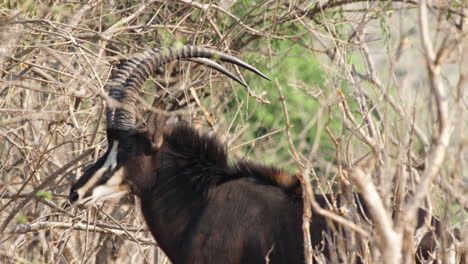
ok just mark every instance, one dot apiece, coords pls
pixel 186 142
pixel 188 146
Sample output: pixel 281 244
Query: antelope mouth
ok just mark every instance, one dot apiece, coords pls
pixel 101 197
pixel 83 203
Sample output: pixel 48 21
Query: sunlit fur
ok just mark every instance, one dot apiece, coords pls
pixel 202 209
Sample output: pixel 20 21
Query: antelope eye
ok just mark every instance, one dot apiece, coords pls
pixel 126 146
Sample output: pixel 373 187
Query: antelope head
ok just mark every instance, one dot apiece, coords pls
pixel 131 150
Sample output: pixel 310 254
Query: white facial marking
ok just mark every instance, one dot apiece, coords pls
pixel 112 189
pixel 111 161
pixel 109 164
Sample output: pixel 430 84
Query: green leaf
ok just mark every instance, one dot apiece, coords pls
pixel 21 219
pixel 178 44
pixel 44 194
pixel 448 16
pixel 216 57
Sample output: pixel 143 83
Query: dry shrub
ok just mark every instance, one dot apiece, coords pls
pixel 390 100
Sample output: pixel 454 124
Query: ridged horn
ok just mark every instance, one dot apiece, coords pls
pixel 127 82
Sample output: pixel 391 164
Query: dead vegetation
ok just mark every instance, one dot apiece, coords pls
pixel 382 109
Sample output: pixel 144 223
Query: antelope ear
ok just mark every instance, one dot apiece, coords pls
pixel 156 124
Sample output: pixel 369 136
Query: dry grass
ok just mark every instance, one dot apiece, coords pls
pixel 392 103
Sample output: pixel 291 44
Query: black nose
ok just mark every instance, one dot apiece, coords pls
pixel 73 197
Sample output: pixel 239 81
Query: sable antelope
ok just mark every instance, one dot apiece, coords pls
pixel 199 208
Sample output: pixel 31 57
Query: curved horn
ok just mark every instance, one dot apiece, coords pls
pixel 216 66
pixel 126 83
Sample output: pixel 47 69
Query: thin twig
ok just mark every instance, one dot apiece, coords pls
pixel 42 186
pixel 34 227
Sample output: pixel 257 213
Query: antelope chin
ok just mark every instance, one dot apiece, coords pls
pixel 83 203
pixel 105 192
pixel 101 194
